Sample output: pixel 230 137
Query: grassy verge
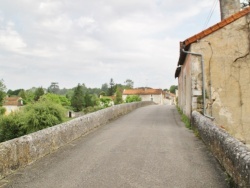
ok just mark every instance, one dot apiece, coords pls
pixel 187 122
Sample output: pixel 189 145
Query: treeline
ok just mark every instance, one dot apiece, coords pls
pixel 32 95
pixel 46 107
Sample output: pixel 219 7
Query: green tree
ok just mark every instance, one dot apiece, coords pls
pixel 51 97
pixel 173 88
pixel 133 98
pixel 77 100
pixel 2 92
pixel 64 100
pixel 95 100
pixel 111 89
pixel 105 88
pixel 23 95
pixel 88 100
pixel 14 93
pixel 118 96
pixel 43 114
pixel 102 93
pixel 38 93
pixel 29 97
pixel 54 88
pixel 105 102
pixel 2 110
pixel 129 84
pixel 12 126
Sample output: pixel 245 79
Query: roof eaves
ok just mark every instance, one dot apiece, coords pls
pixel 186 44
pixel 183 55
pixel 177 72
pixel 216 27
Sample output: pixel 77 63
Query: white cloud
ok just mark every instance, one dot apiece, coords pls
pixel 91 41
pixel 50 8
pixel 58 24
pixel 10 39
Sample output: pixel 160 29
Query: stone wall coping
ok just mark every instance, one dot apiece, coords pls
pixel 232 154
pixel 25 150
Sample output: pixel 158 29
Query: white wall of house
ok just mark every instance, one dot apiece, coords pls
pixel 158 99
pixel 10 109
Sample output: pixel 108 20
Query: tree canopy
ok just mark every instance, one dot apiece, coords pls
pixel 53 88
pixel 38 93
pixel 173 88
pixel 77 100
pixel 2 91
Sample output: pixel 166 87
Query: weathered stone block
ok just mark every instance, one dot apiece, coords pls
pixel 233 155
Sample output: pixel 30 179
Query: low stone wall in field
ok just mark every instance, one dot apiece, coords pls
pixel 22 151
pixel 233 155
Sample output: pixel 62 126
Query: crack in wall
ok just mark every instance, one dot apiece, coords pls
pixel 238 65
pixel 241 57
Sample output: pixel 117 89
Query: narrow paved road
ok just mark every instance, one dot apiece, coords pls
pixel 149 147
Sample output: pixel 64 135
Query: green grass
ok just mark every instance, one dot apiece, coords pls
pixel 187 122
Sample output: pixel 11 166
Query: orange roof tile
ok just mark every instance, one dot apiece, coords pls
pixel 142 91
pixel 12 101
pixel 217 26
pixel 185 44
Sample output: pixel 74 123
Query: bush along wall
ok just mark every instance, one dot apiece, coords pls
pixel 21 151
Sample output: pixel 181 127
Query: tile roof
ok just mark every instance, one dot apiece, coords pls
pixel 12 101
pixel 186 43
pixel 217 26
pixel 144 91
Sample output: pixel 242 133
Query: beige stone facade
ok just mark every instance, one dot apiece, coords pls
pixel 146 94
pixel 12 104
pixel 226 54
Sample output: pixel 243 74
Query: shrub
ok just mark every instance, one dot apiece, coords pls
pixel 92 109
pixel 2 110
pixel 106 102
pixel 186 121
pixel 12 126
pixel 133 98
pixel 43 114
pixel 58 99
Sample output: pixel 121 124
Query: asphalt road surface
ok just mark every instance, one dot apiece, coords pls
pixel 149 147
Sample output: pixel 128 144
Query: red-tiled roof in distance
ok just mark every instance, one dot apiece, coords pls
pixel 12 101
pixel 144 91
pixel 217 26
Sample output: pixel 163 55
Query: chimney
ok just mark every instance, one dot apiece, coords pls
pixel 229 7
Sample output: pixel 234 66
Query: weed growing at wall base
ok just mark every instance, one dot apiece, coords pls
pixel 187 122
pixel 230 181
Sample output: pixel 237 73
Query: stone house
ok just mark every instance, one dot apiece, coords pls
pixel 146 94
pixel 12 104
pixel 214 73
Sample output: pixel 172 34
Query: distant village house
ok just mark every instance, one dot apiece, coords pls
pixel 146 94
pixel 12 104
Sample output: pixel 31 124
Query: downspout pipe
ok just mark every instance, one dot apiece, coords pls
pixel 203 81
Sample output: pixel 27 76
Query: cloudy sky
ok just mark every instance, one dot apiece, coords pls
pixel 91 41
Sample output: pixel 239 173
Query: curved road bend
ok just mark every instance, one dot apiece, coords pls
pixel 148 147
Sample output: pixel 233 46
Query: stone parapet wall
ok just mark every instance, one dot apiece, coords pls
pixel 25 150
pixel 233 155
